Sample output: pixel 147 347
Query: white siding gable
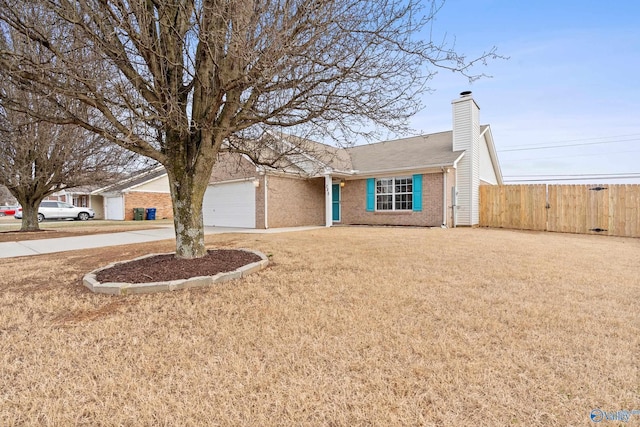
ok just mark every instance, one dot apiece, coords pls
pixel 487 172
pixel 157 185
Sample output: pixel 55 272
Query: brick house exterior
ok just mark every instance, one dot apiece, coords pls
pixel 141 199
pixel 426 180
pixel 416 181
pixel 148 189
pixel 354 202
pixel 299 201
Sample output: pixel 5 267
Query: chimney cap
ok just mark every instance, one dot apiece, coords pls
pixel 465 93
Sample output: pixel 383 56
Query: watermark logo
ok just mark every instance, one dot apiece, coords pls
pixel 598 415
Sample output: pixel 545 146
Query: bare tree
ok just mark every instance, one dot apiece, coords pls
pixel 39 158
pixel 174 79
pixel 6 198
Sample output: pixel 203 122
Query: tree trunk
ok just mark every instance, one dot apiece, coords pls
pixel 187 193
pixel 30 215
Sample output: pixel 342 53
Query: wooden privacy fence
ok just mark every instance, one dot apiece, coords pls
pixel 612 210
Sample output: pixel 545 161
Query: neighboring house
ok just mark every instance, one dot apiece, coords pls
pixel 427 180
pixel 149 189
pixel 81 197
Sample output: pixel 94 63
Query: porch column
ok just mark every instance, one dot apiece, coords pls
pixel 328 201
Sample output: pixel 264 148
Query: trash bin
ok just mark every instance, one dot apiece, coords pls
pixel 138 214
pixel 151 213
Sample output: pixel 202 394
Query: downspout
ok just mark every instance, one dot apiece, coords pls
pixel 266 221
pixel 444 197
pixel 454 191
pixel 454 199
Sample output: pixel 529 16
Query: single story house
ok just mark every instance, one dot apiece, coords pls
pixel 145 189
pixel 148 189
pixel 426 180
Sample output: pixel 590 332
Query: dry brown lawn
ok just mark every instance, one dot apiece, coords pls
pixel 348 327
pixel 10 228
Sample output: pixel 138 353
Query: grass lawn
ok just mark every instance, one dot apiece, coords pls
pixel 9 228
pixel 348 327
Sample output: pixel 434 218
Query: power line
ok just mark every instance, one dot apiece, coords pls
pixel 574 155
pixel 547 147
pixel 574 174
pixel 576 178
pixel 582 139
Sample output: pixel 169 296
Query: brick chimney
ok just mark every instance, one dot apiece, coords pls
pixel 466 137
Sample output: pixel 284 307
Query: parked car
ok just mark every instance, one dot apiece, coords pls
pixel 8 210
pixel 60 210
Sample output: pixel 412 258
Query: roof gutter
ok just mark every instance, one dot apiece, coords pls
pixel 433 168
pixel 455 163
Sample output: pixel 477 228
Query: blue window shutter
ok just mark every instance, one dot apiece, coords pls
pixel 371 194
pixel 417 193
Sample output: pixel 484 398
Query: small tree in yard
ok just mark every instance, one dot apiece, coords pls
pixel 174 79
pixel 39 158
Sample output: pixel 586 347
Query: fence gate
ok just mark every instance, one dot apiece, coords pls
pixel 579 209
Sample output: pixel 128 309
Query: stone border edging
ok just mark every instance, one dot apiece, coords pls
pixel 116 288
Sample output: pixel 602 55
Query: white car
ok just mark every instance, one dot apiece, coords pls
pixel 60 210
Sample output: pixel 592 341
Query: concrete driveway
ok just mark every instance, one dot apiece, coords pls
pixel 62 244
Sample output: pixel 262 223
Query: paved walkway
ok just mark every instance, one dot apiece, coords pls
pixel 62 244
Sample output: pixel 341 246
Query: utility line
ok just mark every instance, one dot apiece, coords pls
pixel 583 178
pixel 581 139
pixel 573 175
pixel 546 147
pixel 573 155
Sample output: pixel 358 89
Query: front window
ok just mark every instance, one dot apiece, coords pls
pixel 394 194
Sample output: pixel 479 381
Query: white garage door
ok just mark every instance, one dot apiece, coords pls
pixel 114 208
pixel 230 205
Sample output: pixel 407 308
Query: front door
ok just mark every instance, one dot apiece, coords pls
pixel 335 191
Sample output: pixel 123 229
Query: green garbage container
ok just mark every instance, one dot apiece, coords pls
pixel 138 214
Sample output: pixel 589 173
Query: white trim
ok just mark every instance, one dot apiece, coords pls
pixel 144 191
pixel 328 201
pixel 393 194
pixel 455 164
pixel 292 175
pixel 266 198
pixel 403 171
pixel 444 196
pixel 493 154
pixel 231 181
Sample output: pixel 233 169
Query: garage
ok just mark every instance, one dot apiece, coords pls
pixel 114 208
pixel 230 204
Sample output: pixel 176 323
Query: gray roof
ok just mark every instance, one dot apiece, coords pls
pixel 305 157
pixel 134 180
pixel 424 151
pixel 326 156
pixel 417 152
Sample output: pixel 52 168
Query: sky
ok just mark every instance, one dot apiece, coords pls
pixel 572 78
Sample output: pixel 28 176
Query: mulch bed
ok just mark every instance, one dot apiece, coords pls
pixel 163 268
